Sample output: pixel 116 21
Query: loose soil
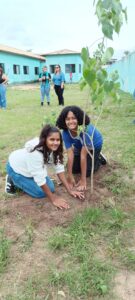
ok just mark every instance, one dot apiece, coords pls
pixel 18 212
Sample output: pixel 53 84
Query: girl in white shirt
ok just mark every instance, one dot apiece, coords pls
pixel 27 168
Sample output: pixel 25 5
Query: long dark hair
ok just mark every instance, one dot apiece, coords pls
pixel 77 111
pixel 46 131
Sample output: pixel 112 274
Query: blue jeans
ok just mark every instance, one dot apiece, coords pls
pixel 3 101
pixel 27 184
pixel 45 91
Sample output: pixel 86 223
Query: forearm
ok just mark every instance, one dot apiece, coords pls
pixel 70 163
pixel 64 181
pixel 62 85
pixel 48 192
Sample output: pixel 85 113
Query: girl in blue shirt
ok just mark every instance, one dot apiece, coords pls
pixel 58 81
pixel 79 161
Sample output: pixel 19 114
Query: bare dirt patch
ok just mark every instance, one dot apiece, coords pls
pixel 22 208
pixel 125 285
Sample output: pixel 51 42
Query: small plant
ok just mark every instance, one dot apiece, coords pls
pixel 51 119
pixel 101 85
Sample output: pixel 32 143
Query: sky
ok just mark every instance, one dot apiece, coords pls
pixel 48 25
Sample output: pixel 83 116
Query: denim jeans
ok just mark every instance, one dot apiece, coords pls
pixel 45 91
pixel 27 184
pixel 3 101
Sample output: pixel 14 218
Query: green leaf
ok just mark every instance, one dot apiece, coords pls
pixel 107 29
pixel 125 13
pixel 101 76
pixel 107 55
pixel 103 288
pixel 89 76
pixel 94 85
pixel 107 4
pixel 114 75
pixel 82 84
pixel 108 86
pixel 85 55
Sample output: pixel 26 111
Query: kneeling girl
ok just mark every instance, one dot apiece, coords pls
pixel 27 167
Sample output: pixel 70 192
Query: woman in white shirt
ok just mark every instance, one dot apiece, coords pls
pixel 27 168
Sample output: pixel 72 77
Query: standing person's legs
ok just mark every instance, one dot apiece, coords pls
pixel 42 90
pixel 61 96
pixel 28 185
pixel 56 87
pixel 59 92
pixel 3 96
pixel 47 93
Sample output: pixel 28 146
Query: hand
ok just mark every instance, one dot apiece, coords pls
pixel 60 202
pixel 77 194
pixel 81 185
pixel 71 181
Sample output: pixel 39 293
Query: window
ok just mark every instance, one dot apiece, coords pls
pixel 52 67
pixel 2 66
pixel 70 68
pixel 36 71
pixel 80 68
pixel 25 70
pixel 16 69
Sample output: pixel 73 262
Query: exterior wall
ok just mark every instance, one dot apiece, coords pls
pixel 9 59
pixel 126 70
pixel 62 60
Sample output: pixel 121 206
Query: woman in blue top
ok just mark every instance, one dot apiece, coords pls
pixel 3 82
pixel 58 81
pixel 79 161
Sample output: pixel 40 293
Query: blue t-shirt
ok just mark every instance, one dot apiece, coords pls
pixel 58 78
pixel 84 138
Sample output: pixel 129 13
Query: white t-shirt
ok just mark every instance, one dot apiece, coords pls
pixel 31 164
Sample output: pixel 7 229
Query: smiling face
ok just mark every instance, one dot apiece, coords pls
pixel 71 121
pixel 53 141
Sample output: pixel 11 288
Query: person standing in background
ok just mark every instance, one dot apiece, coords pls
pixel 70 76
pixel 3 82
pixel 45 79
pixel 58 81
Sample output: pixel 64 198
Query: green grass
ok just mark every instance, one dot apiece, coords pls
pixel 92 231
pixel 83 258
pixel 4 251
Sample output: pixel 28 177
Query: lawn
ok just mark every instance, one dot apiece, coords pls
pixel 87 252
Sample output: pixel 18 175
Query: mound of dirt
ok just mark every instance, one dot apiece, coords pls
pixel 22 208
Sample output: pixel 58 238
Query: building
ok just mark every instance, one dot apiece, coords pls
pixel 69 60
pixel 126 70
pixel 20 66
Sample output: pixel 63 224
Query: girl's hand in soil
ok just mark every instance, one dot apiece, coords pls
pixel 81 185
pixel 60 202
pixel 77 194
pixel 71 181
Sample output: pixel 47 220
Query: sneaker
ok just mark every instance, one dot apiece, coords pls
pixel 102 159
pixel 42 103
pixel 9 186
